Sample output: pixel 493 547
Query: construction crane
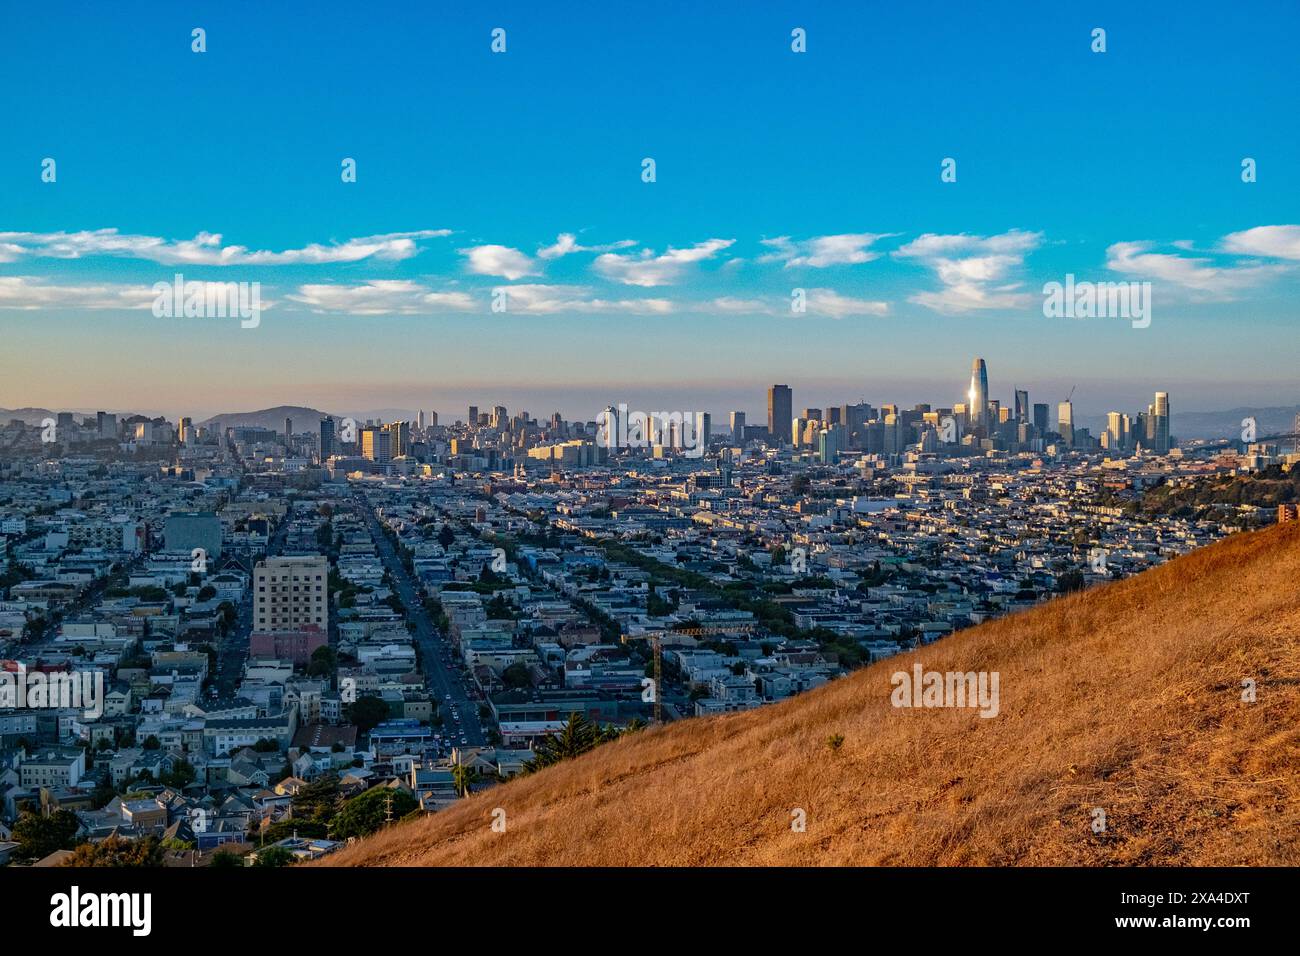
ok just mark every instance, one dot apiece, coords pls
pixel 655 638
pixel 1071 395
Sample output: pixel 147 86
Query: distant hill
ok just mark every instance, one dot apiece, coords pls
pixel 1125 699
pixel 304 419
pixel 30 416
pixel 1268 421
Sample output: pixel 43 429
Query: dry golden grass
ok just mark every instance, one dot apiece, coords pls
pixel 1125 697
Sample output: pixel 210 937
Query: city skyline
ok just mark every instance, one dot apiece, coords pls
pixel 380 292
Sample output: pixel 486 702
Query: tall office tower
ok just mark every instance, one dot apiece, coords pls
pixel 833 415
pixel 1116 430
pixel 797 428
pixel 830 441
pixel 473 416
pixel 500 416
pixel 107 423
pixel 854 419
pixel 607 428
pixel 1022 405
pixel 892 443
pixel 978 398
pixel 780 411
pixel 1065 421
pixel 327 447
pixel 419 420
pixel 184 430
pixel 289 593
pixel 1160 425
pixel 812 414
pixel 1040 418
pixel 400 441
pixel 738 426
pixel 705 422
pixel 1004 416
pixel 376 444
pixel 1141 422
pixel 288 434
pixel 433 420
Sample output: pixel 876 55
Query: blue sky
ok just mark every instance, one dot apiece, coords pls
pixel 775 171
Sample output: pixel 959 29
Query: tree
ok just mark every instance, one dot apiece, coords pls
pixel 446 537
pixel 308 829
pixel 39 836
pixel 1070 581
pixel 274 856
pixel 368 712
pixel 117 851
pixel 180 776
pixel 464 776
pixel 152 743
pixel 323 662
pixel 366 813
pixel 319 800
pixel 224 858
pixel 577 736
pixel 517 675
pixel 207 592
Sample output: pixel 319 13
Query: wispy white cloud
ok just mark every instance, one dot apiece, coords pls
pixel 205 249
pixel 820 302
pixel 566 243
pixel 1273 242
pixel 1199 275
pixel 823 251
pixel 382 297
pixel 29 292
pixel 832 304
pixel 554 299
pixel 502 261
pixel 975 271
pixel 647 269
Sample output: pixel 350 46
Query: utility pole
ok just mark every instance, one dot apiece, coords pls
pixel 659 673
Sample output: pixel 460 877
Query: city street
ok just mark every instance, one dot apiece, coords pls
pixel 441 678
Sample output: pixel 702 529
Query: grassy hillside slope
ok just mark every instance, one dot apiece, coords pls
pixel 1126 697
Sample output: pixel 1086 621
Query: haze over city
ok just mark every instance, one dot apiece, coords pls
pixel 592 435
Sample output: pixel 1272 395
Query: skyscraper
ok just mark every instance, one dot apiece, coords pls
pixel 780 411
pixel 106 423
pixel 1065 421
pixel 326 437
pixel 376 443
pixel 978 398
pixel 737 426
pixel 1040 418
pixel 1160 423
pixel 1116 431
pixel 1022 405
pixel 473 416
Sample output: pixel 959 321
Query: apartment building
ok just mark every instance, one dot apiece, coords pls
pixel 291 593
